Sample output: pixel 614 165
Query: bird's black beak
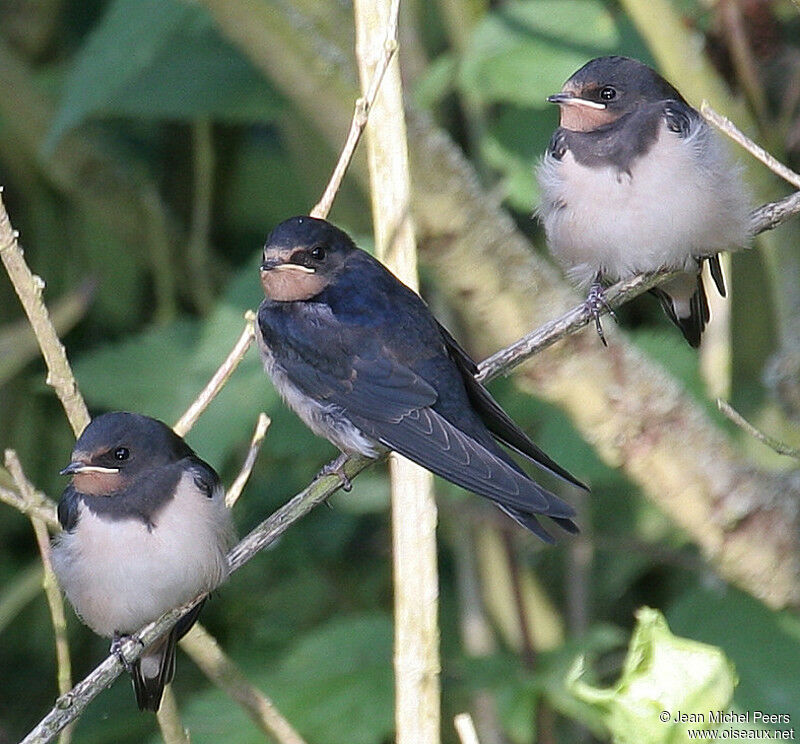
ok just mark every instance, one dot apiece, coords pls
pixel 270 263
pixel 76 466
pixel 72 468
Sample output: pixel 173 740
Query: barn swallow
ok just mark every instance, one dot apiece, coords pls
pixel 363 362
pixel 145 530
pixel 633 181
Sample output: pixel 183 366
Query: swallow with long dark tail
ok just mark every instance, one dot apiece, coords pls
pixel 364 363
pixel 634 181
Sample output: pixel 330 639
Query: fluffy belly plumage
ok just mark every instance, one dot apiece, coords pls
pixel 120 575
pixel 666 212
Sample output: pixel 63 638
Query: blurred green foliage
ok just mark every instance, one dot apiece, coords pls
pixel 309 620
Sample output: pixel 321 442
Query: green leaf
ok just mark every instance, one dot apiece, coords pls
pixel 161 59
pixel 337 683
pixel 525 50
pixel 662 676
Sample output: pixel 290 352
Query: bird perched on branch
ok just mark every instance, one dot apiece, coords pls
pixel 145 530
pixel 361 359
pixel 633 181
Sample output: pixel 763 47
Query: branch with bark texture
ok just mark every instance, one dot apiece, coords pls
pixel 762 219
pixel 69 706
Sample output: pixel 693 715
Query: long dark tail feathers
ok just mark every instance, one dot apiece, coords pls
pixel 499 423
pixel 716 274
pixel 531 522
pixel 155 668
pixel 153 671
pixel 691 323
pixel 685 303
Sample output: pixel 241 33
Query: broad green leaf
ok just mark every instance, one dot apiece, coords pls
pixel 525 50
pixel 663 676
pixel 161 59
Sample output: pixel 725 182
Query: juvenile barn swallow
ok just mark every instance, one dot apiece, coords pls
pixel 363 362
pixel 145 530
pixel 633 181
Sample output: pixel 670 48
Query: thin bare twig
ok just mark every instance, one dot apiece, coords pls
pixel 43 509
pixel 503 361
pixel 206 653
pixel 218 379
pixel 465 729
pixel 68 707
pixel 169 719
pixel 55 601
pixel 29 289
pixel 726 126
pixel 235 490
pixel 360 116
pixel 774 444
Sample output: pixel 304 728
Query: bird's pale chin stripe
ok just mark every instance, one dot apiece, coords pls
pixel 583 102
pixel 294 267
pixel 98 469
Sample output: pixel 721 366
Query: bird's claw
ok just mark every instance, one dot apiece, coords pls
pixel 595 303
pixel 116 648
pixel 337 468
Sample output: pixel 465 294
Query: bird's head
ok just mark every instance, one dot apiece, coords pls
pixel 118 447
pixel 607 88
pixel 302 256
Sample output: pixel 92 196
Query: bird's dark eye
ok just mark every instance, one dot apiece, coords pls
pixel 317 253
pixel 608 93
pixel 121 453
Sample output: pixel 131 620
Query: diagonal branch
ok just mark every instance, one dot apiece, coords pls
pixel 218 379
pixel 360 117
pixel 29 288
pixel 69 706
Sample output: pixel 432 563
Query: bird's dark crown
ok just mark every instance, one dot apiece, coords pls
pixel 619 83
pixel 302 256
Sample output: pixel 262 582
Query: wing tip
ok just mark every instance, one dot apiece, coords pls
pixel 531 523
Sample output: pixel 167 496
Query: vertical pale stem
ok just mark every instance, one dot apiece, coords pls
pixel 715 351
pixel 169 719
pixel 416 654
